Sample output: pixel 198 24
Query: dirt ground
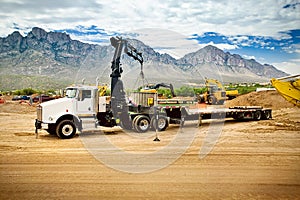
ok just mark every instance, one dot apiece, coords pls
pixel 250 160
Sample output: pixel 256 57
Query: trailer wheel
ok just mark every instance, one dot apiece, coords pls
pixel 257 115
pixel 162 123
pixel 141 123
pixel 66 129
pixel 266 114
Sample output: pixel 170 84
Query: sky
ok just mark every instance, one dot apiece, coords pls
pixel 267 31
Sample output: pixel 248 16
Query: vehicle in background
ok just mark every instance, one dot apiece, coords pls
pixel 231 93
pixel 42 98
pixel 215 93
pixel 18 98
pixel 2 100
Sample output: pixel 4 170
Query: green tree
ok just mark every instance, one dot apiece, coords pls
pixel 184 91
pixel 28 91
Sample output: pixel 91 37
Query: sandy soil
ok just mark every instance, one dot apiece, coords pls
pixel 251 160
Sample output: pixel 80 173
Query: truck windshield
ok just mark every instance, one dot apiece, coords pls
pixel 71 92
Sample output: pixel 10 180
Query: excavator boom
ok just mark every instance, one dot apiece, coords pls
pixel 289 88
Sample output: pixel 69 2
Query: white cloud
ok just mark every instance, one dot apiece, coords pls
pixel 166 41
pixel 291 67
pixel 228 17
pixel 249 57
pixel 222 46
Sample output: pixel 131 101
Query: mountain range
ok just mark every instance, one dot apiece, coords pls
pixel 52 59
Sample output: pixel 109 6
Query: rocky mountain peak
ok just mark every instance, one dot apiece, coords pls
pixel 39 33
pixel 55 54
pixel 11 42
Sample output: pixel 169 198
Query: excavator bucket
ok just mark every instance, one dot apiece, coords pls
pixel 289 88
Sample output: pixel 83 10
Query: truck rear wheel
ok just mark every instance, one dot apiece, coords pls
pixel 162 123
pixel 66 129
pixel 141 123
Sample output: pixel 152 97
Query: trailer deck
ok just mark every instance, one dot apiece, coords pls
pixel 179 113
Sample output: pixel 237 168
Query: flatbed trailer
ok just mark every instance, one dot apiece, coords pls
pixel 179 114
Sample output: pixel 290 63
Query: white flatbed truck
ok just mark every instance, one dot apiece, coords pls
pixel 82 107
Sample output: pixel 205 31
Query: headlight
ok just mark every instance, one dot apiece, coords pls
pixel 39 112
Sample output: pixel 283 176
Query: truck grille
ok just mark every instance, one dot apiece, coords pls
pixel 39 112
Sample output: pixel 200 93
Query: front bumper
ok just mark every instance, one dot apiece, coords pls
pixel 38 125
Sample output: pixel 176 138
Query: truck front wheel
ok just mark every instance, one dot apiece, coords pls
pixel 51 129
pixel 66 129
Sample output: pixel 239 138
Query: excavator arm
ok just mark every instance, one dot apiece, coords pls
pixel 170 86
pixel 209 82
pixel 153 88
pixel 289 88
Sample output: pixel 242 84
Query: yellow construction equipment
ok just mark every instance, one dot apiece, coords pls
pixel 232 93
pixel 152 88
pixel 215 92
pixel 289 88
pixel 102 90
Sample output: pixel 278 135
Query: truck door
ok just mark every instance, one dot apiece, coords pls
pixel 85 102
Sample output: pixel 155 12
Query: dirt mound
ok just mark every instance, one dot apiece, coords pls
pixel 267 99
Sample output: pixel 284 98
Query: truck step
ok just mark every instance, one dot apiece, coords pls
pixel 88 122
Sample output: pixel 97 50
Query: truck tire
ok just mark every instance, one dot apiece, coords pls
pixel 257 115
pixel 162 123
pixel 66 129
pixel 211 100
pixel 221 102
pixel 51 129
pixel 141 123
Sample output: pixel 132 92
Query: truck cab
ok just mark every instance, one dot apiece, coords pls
pixel 65 115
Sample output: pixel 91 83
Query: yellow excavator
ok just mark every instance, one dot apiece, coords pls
pixel 289 88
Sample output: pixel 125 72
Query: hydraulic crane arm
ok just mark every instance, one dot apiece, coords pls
pixel 132 52
pixel 118 99
pixel 119 45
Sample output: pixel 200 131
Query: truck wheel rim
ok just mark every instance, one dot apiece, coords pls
pixel 67 130
pixel 161 123
pixel 144 124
